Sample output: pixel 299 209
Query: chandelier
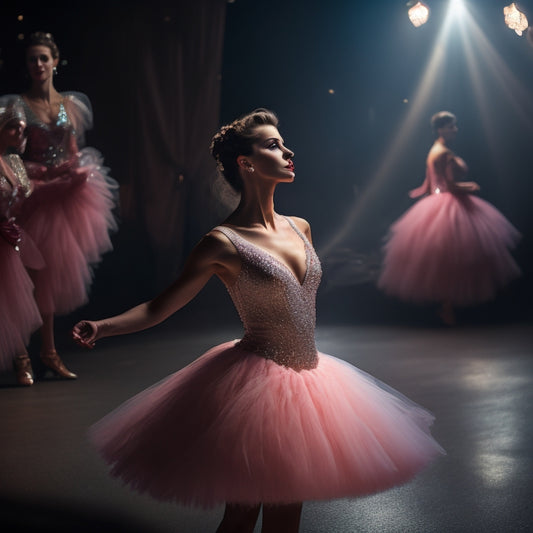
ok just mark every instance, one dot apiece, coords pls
pixel 515 19
pixel 418 13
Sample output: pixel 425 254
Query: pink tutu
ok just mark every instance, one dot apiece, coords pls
pixel 19 312
pixel 71 226
pixel 449 247
pixel 236 427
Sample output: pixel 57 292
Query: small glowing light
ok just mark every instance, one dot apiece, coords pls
pixel 20 18
pixel 405 101
pixel 20 36
pixel 331 91
pixel 418 14
pixel 515 19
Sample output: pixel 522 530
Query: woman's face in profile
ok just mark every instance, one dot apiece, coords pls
pixel 271 158
pixel 449 131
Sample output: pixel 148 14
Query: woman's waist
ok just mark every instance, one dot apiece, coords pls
pixel 50 156
pixel 295 351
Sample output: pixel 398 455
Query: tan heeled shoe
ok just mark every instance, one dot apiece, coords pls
pixel 52 360
pixel 23 370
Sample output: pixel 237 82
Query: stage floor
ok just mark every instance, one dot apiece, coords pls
pixel 476 379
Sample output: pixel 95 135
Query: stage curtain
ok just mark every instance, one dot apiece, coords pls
pixel 160 111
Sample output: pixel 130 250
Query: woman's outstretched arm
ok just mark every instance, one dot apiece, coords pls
pixel 214 254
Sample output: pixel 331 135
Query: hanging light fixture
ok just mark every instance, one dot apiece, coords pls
pixel 418 13
pixel 515 19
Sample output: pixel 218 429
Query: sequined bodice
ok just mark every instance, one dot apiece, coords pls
pixel 49 144
pixel 14 190
pixel 277 311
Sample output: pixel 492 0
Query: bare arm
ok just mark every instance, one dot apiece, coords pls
pixel 214 254
pixel 456 169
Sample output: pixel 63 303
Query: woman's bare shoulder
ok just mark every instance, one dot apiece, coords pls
pixel 302 225
pixel 439 152
pixel 216 242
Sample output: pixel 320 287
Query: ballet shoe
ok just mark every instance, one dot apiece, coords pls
pixel 23 370
pixel 52 360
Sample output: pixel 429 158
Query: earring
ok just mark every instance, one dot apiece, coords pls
pixel 55 70
pixel 251 169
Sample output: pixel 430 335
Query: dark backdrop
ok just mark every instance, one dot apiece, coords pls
pixel 354 84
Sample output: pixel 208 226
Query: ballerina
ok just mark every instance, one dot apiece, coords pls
pixel 70 214
pixel 19 314
pixel 267 419
pixel 450 247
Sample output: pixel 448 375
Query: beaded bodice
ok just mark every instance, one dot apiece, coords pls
pixel 13 188
pixel 277 310
pixel 49 143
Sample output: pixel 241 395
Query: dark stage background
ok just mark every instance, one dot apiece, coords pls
pixel 354 84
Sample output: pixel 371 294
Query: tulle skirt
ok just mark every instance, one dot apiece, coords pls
pixel 235 427
pixel 449 247
pixel 72 227
pixel 19 314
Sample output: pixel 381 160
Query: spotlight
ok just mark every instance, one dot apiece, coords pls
pixel 418 13
pixel 458 7
pixel 515 19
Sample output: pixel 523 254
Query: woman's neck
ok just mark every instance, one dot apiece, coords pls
pixel 256 208
pixel 43 91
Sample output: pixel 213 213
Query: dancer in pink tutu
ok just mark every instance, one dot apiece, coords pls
pixel 264 420
pixel 70 214
pixel 19 314
pixel 451 247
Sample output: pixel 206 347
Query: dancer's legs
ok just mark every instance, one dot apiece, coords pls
pixel 47 333
pixel 281 518
pixel 239 518
pixel 49 355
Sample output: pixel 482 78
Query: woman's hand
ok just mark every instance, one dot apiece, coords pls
pixel 419 191
pixel 63 169
pixel 35 171
pixel 467 186
pixel 85 333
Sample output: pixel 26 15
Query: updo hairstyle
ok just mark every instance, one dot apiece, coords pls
pixel 237 138
pixel 40 38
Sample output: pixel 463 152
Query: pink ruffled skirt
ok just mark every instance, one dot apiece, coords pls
pixel 235 427
pixel 72 229
pixel 19 313
pixel 449 248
